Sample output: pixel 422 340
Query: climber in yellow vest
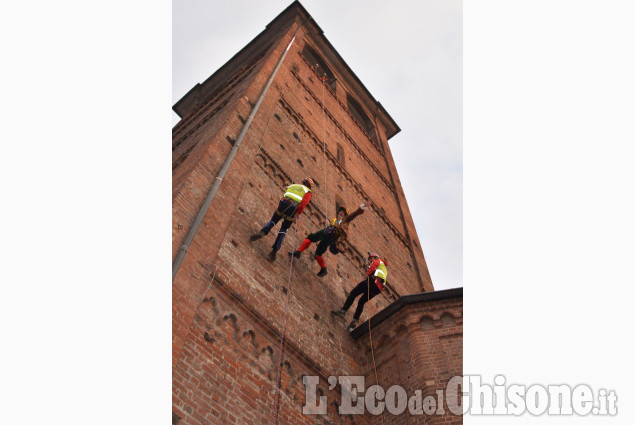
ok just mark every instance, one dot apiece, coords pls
pixel 373 284
pixel 292 203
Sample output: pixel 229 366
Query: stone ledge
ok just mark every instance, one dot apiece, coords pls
pixel 402 302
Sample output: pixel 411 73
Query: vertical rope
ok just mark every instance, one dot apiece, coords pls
pixel 276 403
pixel 326 200
pixel 372 350
pixel 282 335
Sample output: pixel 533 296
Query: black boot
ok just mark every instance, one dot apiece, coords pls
pixel 322 272
pixel 339 313
pixel 352 325
pixel 272 256
pixel 256 236
pixel 295 254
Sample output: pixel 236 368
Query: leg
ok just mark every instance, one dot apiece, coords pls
pixel 313 237
pixel 368 287
pixel 285 210
pixel 321 249
pixel 275 218
pixel 286 224
pixel 304 245
pixel 359 289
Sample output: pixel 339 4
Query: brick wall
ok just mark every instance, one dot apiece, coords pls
pixel 419 347
pixel 228 301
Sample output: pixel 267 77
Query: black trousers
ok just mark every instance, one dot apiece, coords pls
pixel 325 237
pixel 361 289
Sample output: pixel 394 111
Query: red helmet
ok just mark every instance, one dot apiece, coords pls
pixel 308 182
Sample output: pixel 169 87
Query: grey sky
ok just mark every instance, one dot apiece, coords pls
pixel 409 56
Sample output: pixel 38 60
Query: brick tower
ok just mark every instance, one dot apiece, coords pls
pixel 316 119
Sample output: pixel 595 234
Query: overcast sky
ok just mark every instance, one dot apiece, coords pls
pixel 407 53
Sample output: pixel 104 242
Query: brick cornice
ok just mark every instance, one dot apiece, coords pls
pixel 221 92
pixel 404 301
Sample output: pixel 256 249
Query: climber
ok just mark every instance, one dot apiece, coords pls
pixel 331 237
pixel 292 203
pixel 367 288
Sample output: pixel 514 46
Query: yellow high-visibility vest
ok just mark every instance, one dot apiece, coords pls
pixel 296 192
pixel 381 271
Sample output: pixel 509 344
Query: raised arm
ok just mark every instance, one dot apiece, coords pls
pixel 357 212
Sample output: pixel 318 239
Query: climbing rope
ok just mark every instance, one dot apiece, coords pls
pixel 282 336
pixel 326 201
pixel 276 407
pixel 288 287
pixel 370 334
pixel 372 350
pixel 286 311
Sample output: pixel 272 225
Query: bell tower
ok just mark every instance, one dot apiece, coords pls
pixel 231 307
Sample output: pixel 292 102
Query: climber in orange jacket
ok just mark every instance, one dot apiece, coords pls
pixel 373 285
pixel 292 203
pixel 331 237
